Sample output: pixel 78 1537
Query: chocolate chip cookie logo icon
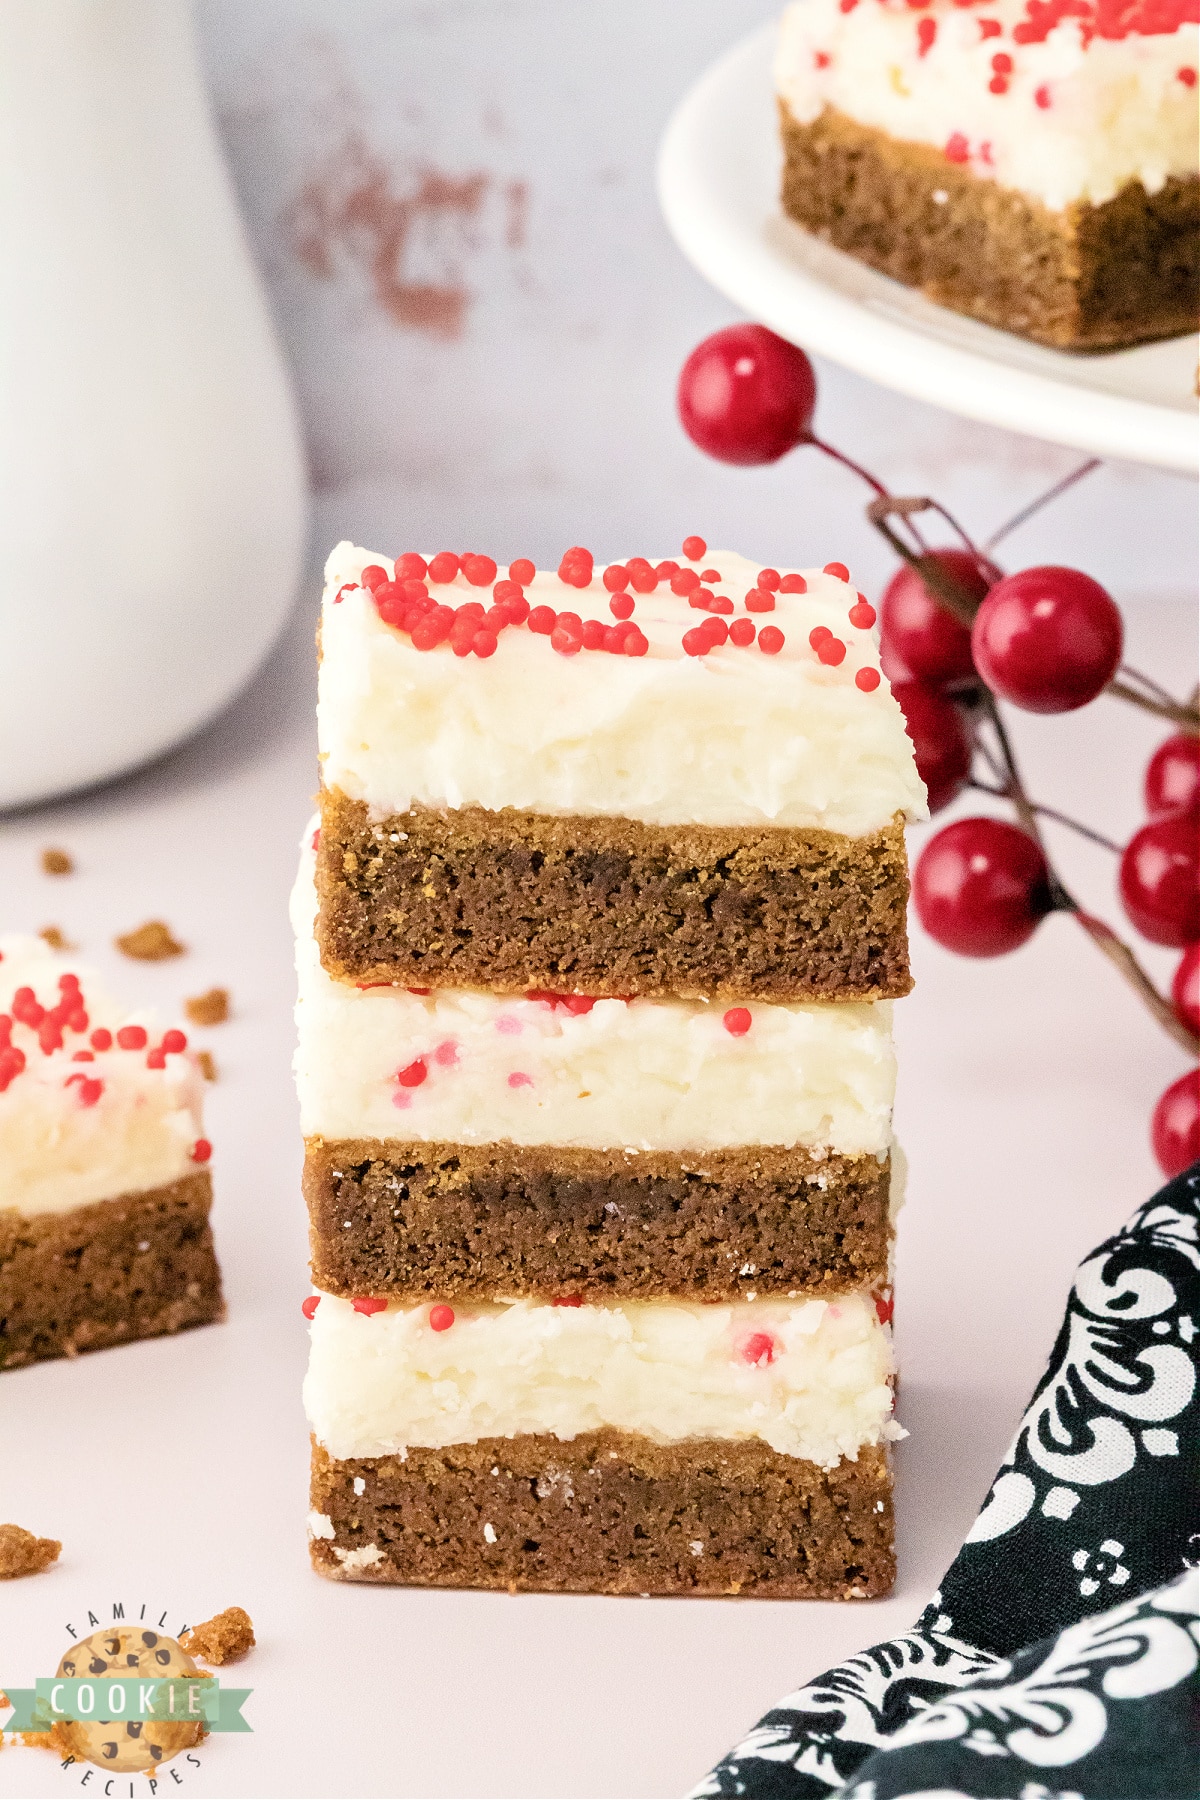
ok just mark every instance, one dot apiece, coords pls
pixel 129 1699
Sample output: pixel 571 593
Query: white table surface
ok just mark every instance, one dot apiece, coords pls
pixel 174 1472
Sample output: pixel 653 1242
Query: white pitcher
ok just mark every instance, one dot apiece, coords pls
pixel 153 508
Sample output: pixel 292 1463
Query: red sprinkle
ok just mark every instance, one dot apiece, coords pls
pixel 716 629
pixel 759 1348
pixel 101 1039
pixel 793 584
pixel 867 680
pixel 926 33
pixel 1187 76
pixel 759 600
pixel 173 1042
pixel 862 614
pixel 1042 97
pixel 621 606
pixel 567 638
pixel 665 570
pixel 575 569
pixel 411 567
pixel 446 1054
pixel 132 1037
pixel 831 651
pixel 998 85
pixel 83 1056
pixel 642 578
pixel 90 1092
pixel 422 992
pixel 201 1150
pixel 696 641
pixel 685 581
pixel 768 579
pixel 373 576
pixel 576 1004
pixel 885 1306
pixel 522 571
pixel 635 643
pixel 443 568
pixel 989 28
pixel 694 548
pixel 770 640
pixel 1002 63
pixel 616 577
pixel 821 59
pixel 518 1078
pixel 710 575
pixel 577 1299
pixel 156 1059
pixel 441 1318
pixel 541 620
pixel 414 1074
pixel 741 633
pixel 308 1307
pixel 594 633
pixel 957 148
pixel 614 637
pixel 484 643
pixel 480 571
pixel 737 1021
pixel 838 569
pixel 720 603
pixel 367 1306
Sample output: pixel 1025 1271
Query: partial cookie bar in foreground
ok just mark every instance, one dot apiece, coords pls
pixel 705 816
pixel 104 1189
pixel 657 1448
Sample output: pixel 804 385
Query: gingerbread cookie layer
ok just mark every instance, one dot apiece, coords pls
pixel 1084 278
pixel 609 1513
pixel 512 901
pixel 138 1266
pixel 419 1221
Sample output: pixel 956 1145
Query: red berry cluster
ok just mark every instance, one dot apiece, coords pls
pixel 956 634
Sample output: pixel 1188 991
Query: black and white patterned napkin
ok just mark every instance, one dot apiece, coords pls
pixel 1058 1660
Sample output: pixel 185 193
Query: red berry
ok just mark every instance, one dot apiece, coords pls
pixel 441 1318
pixel 443 567
pixel 737 1021
pixel 741 632
pixel 980 887
pixel 1185 989
pixel 939 738
pixel 621 606
pixel 308 1307
pixel 1175 1126
pixel 1048 639
pixel 916 631
pixel 694 548
pixel 745 396
pixel 1173 778
pixel 522 571
pixel 1160 879
pixel 770 640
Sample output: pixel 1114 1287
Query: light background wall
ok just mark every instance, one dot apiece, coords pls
pixel 453 203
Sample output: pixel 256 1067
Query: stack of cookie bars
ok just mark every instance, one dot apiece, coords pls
pixel 597 937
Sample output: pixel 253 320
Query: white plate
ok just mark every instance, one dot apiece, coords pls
pixel 718 183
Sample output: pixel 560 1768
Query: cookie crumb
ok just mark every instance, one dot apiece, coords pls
pixel 223 1639
pixel 21 1553
pixel 151 942
pixel 57 862
pixel 55 937
pixel 208 1067
pixel 208 1009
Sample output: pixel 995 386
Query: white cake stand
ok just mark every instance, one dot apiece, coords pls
pixel 718 183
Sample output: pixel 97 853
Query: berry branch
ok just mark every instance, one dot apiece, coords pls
pixel 957 636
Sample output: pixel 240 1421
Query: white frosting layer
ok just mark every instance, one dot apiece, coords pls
pixel 640 1075
pixel 732 738
pixel 668 1370
pixel 1079 116
pixel 62 1143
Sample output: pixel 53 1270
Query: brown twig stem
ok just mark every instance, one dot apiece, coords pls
pixel 1043 499
pixel 1052 812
